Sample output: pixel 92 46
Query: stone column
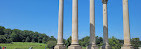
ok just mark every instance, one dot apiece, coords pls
pixel 126 27
pixel 75 44
pixel 92 44
pixel 60 44
pixel 105 26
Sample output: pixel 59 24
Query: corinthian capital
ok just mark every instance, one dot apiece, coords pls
pixel 104 1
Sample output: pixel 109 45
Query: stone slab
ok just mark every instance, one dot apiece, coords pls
pixel 139 47
pixel 127 47
pixel 74 47
pixel 106 47
pixel 92 47
pixel 59 47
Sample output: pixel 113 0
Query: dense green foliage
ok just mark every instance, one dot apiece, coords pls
pixel 99 41
pixel 84 41
pixel 51 44
pixel 115 44
pixel 16 35
pixel 135 42
pixel 2 39
pixel 140 43
pixel 68 42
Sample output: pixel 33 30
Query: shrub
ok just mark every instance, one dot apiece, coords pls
pixel 8 40
pixel 2 39
pixel 51 44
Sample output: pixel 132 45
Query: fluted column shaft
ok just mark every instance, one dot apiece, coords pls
pixel 74 44
pixel 60 44
pixel 60 22
pixel 105 24
pixel 126 23
pixel 92 44
pixel 126 28
pixel 75 22
pixel 92 23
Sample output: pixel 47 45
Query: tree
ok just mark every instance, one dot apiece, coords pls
pixel 68 42
pixel 27 39
pixel 2 39
pixel 8 40
pixel 135 42
pixel 121 41
pixel 7 33
pixel 2 30
pixel 114 43
pixel 140 43
pixel 84 41
pixel 64 41
pixel 36 35
pixel 99 41
pixel 51 44
pixel 16 35
pixel 40 38
pixel 52 38
pixel 44 40
pixel 33 40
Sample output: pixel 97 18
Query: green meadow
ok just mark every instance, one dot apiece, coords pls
pixel 24 45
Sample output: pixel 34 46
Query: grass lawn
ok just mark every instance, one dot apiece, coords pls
pixel 24 45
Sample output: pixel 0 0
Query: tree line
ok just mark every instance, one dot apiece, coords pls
pixel 113 42
pixel 16 35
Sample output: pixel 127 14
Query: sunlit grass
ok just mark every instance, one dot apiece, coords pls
pixel 24 45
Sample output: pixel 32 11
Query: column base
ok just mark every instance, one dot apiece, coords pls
pixel 106 47
pixel 74 47
pixel 59 47
pixel 92 46
pixel 127 47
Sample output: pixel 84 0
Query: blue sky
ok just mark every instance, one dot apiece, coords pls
pixel 42 16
